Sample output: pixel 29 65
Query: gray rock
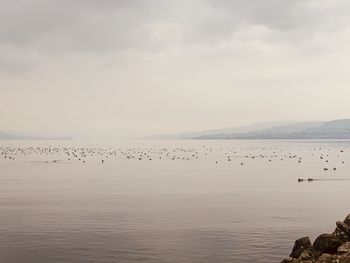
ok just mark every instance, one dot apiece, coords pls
pixel 308 254
pixel 347 220
pixel 345 260
pixel 287 260
pixel 327 258
pixel 300 245
pixel 327 243
pixel 344 248
pixel 327 248
pixel 344 227
pixel 340 234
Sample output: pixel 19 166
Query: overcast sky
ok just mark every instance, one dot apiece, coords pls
pixel 124 68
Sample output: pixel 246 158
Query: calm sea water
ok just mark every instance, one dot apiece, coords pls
pixel 199 207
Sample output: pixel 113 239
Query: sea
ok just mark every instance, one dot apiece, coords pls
pixel 195 201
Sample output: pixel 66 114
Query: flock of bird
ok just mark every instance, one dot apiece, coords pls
pixel 83 154
pixel 54 154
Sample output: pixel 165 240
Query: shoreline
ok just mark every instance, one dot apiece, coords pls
pixel 327 248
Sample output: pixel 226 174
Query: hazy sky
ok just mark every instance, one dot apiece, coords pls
pixel 120 68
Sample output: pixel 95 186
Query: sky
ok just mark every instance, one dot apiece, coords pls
pixel 129 68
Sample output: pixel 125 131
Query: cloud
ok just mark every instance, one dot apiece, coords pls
pixel 140 67
pixel 74 25
pixel 97 26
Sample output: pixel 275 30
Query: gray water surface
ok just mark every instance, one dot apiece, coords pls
pixel 199 207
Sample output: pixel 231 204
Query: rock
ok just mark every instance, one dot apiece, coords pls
pixel 340 234
pixel 344 248
pixel 300 245
pixel 347 220
pixel 287 260
pixel 327 258
pixel 344 227
pixel 308 254
pixel 327 243
pixel 327 248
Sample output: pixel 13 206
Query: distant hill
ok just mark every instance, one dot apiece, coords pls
pixel 8 136
pixel 337 129
pixel 209 133
pixel 5 136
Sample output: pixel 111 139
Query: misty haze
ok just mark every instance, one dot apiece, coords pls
pixel 174 131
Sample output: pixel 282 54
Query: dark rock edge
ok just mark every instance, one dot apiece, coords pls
pixel 327 248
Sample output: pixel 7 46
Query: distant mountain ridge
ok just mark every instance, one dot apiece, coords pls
pixel 242 129
pixel 8 136
pixel 336 129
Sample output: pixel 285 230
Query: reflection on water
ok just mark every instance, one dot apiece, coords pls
pixel 216 201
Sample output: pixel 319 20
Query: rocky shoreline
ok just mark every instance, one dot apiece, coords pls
pixel 327 248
